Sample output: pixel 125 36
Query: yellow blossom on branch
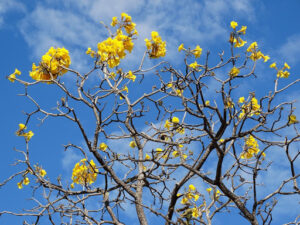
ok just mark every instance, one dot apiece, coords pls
pixel 233 24
pixel 84 172
pixel 103 146
pixel 156 47
pixel 132 144
pixel 181 47
pixel 197 51
pixel 51 65
pixel 131 76
pixel 292 119
pixel 12 77
pixel 234 72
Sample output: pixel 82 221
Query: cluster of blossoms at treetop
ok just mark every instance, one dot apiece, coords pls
pixel 52 65
pixel 114 48
pixel 84 172
pixel 155 46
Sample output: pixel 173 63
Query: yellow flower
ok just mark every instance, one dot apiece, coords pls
pixel 18 72
pixel 114 21
pixel 26 181
pixel 242 30
pixel 175 154
pixel 156 47
pixel 102 146
pixel 22 126
pixel 292 119
pixel 84 172
pixel 20 184
pixel 229 104
pixel 179 92
pixel 283 74
pixel 72 185
pixel 181 47
pixel 184 200
pixel 273 65
pixel 239 42
pixel 131 76
pixel 208 190
pixel 43 173
pixel 132 144
pixel 168 124
pixel 233 24
pixel 192 187
pixel 175 119
pixel 196 197
pixel 234 72
pixel 194 65
pixel 265 57
pixel 241 100
pixel 207 102
pixel 159 151
pixel 12 77
pixel 51 65
pixel 28 135
pixel 252 47
pixel 286 66
pixel 180 130
pixel 147 157
pixel 195 212
pixel 197 51
pixel 125 89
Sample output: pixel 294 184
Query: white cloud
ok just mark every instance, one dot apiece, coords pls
pixel 291 49
pixel 177 21
pixel 9 5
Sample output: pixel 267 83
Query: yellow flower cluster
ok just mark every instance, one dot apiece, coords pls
pixel 229 103
pixel 25 181
pixel 282 73
pixel 12 77
pixel 235 36
pixel 217 193
pixel 178 153
pixel 51 65
pixel 103 147
pixel 175 124
pixel 194 65
pixel 292 119
pixel 234 72
pixel 40 171
pixel 252 148
pixel 155 46
pixel 21 132
pixel 84 172
pixel 191 194
pixel 252 108
pixel 132 144
pixel 256 54
pixel 113 49
pixel 126 23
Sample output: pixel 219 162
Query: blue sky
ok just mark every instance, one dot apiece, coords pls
pixel 29 28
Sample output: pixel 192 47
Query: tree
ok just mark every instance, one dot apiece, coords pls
pixel 195 151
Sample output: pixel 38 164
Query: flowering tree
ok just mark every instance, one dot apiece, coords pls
pixel 188 157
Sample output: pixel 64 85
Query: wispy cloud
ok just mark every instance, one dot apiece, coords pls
pixel 9 5
pixel 177 21
pixel 291 49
